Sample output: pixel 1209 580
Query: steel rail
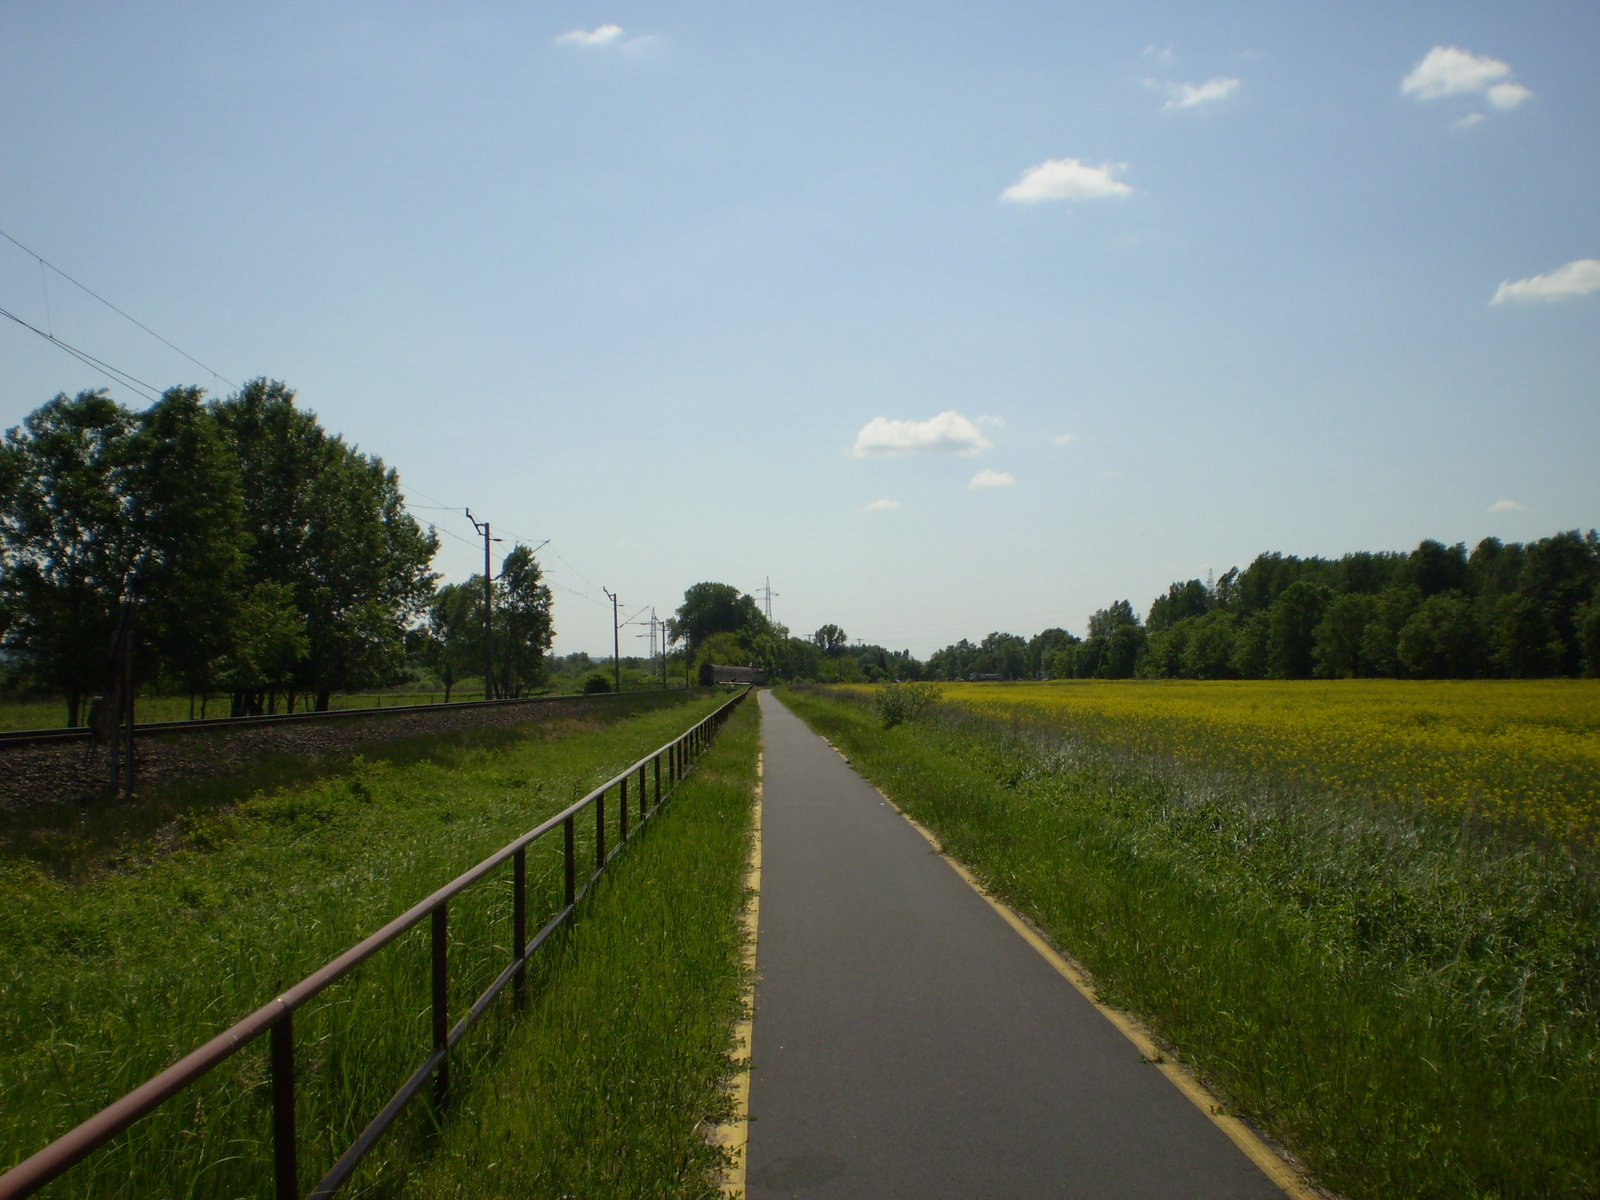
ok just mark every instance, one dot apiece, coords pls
pixel 276 1015
pixel 82 733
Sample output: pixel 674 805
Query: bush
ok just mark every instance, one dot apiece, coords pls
pixel 596 684
pixel 897 702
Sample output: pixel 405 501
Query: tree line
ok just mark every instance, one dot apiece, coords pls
pixel 261 556
pixel 1500 610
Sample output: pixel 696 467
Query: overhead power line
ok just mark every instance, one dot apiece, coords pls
pixel 148 390
pixel 212 371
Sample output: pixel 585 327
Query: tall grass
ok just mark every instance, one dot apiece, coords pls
pixel 105 981
pixel 1406 997
pixel 606 1087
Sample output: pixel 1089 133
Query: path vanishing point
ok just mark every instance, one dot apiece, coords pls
pixel 908 1042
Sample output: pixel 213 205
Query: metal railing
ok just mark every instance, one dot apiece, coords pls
pixel 664 767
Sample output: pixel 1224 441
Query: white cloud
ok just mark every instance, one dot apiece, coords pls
pixel 601 36
pixel 1506 96
pixel 1189 95
pixel 882 505
pixel 992 479
pixel 1504 506
pixel 947 433
pixel 1451 71
pixel 1578 278
pixel 1061 439
pixel 990 419
pixel 1067 179
pixel 1159 53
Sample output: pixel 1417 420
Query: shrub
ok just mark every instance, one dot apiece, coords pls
pixel 897 702
pixel 596 684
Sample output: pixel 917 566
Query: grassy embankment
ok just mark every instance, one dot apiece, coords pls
pixel 109 977
pixel 1402 991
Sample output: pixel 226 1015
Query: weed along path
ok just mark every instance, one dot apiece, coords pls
pixel 909 1043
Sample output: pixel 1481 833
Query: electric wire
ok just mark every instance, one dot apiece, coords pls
pixel 212 371
pixel 115 374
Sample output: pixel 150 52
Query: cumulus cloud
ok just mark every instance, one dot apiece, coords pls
pixel 992 479
pixel 947 433
pixel 1067 179
pixel 1505 506
pixel 1189 95
pixel 1468 121
pixel 1061 439
pixel 604 35
pixel 882 505
pixel 1452 71
pixel 1580 277
pixel 1506 96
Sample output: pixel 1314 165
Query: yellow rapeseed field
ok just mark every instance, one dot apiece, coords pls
pixel 1524 747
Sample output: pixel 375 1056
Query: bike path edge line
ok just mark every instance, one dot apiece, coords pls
pixel 735 1135
pixel 1271 1164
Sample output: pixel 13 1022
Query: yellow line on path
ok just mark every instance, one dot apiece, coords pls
pixel 733 1136
pixel 1264 1156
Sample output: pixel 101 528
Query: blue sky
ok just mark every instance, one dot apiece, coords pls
pixel 1194 281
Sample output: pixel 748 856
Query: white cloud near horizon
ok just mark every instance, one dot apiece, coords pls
pixel 1505 506
pixel 1452 71
pixel 1581 277
pixel 991 479
pixel 882 505
pixel 1067 179
pixel 1061 439
pixel 1189 95
pixel 947 433
pixel 604 35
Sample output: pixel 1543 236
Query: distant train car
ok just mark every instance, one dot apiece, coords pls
pixel 753 675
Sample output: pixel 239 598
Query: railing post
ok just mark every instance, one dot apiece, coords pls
pixel 657 761
pixel 441 1000
pixel 599 831
pixel 571 838
pixel 519 920
pixel 285 1155
pixel 622 795
pixel 644 794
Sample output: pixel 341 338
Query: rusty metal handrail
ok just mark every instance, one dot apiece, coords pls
pixel 277 1015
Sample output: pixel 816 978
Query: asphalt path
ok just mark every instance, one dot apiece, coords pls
pixel 908 1043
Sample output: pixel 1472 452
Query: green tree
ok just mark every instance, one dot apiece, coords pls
pixel 65 546
pixel 330 523
pixel 1338 637
pixel 524 628
pixel 710 608
pixel 454 647
pixel 1293 620
pixel 266 643
pixel 830 639
pixel 1208 652
pixel 1441 640
pixel 186 521
pixel 1380 641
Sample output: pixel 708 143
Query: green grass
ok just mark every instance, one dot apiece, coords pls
pixel 1405 997
pixel 605 1088
pixel 108 978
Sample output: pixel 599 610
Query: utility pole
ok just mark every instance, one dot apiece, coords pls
pixel 488 607
pixel 616 637
pixel 663 650
pixel 768 597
